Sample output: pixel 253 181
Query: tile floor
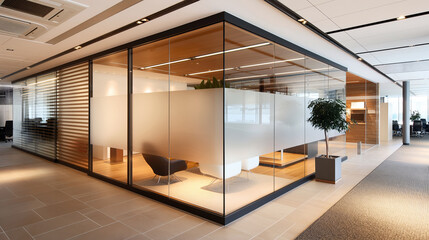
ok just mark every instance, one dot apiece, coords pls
pixel 43 200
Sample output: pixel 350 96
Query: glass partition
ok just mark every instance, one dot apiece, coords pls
pixel 109 116
pixel 249 117
pixel 177 117
pixel 219 116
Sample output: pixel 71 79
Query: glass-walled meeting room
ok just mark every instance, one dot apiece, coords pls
pixel 214 118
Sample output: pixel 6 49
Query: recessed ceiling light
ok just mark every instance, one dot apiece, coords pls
pixel 145 20
pixel 78 47
pixel 28 67
pixel 402 17
pixel 139 22
pixel 302 20
pixel 10 50
pixel 360 59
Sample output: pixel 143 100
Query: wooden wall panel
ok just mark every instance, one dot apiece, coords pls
pixel 361 90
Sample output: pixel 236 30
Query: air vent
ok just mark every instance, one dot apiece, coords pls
pixel 19 28
pixel 42 15
pixel 27 7
pixel 13 26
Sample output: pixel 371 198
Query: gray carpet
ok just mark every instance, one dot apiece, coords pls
pixel 390 203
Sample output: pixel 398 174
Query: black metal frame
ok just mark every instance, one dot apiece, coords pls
pixel 217 18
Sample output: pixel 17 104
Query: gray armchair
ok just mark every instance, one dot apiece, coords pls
pixel 159 165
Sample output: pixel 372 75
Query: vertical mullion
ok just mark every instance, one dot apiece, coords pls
pixel 90 86
pixel 130 118
pixel 223 114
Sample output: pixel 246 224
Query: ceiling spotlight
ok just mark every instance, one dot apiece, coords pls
pixel 78 47
pixel 145 20
pixel 139 22
pixel 402 17
pixel 360 59
pixel 302 20
pixel 28 67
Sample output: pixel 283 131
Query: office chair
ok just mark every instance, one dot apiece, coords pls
pixel 417 128
pixel 396 129
pixel 8 131
pixel 424 125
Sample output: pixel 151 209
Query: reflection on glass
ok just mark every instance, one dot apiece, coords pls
pixel 109 116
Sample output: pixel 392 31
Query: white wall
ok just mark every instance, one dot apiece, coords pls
pixel 5 114
pixel 385 122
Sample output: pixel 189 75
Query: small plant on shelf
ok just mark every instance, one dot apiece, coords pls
pixel 214 83
pixel 415 116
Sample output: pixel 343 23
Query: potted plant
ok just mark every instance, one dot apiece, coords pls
pixel 415 116
pixel 327 115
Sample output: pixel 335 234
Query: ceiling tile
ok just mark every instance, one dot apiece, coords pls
pixel 339 8
pixel 296 5
pixel 394 34
pixel 402 55
pixel 326 25
pixel 405 76
pixel 405 67
pixel 312 14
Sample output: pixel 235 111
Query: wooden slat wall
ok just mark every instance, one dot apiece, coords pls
pixel 73 115
pixel 36 132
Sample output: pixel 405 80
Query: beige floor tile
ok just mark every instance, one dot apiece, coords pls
pixel 252 224
pixel 276 229
pixel 226 233
pixel 96 195
pixel 100 218
pixel 129 208
pixel 4 237
pixel 18 234
pixel 87 210
pixel 29 188
pixel 174 228
pixel 86 188
pixel 115 231
pixel 153 218
pixel 139 237
pixel 6 194
pixel 69 231
pixel 274 211
pixel 61 208
pixel 52 197
pixel 198 231
pixel 54 223
pixel 111 200
pixel 19 204
pixel 19 220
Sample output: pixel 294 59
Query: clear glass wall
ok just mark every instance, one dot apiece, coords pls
pixel 177 117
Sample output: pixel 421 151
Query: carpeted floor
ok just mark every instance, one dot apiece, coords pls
pixel 390 203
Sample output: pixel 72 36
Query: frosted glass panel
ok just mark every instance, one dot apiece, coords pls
pixel 108 115
pixel 109 121
pixel 196 126
pixel 249 124
pixel 289 121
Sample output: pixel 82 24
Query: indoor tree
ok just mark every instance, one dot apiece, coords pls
pixel 328 114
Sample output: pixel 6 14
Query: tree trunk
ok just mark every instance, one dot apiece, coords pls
pixel 327 143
